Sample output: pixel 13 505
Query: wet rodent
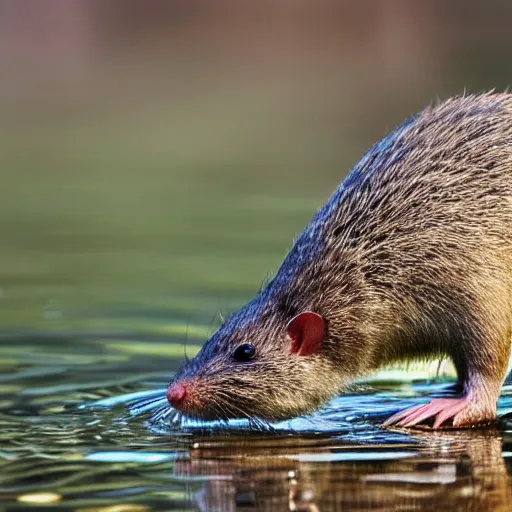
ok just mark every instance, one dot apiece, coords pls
pixel 410 258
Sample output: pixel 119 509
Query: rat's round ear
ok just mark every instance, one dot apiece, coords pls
pixel 306 332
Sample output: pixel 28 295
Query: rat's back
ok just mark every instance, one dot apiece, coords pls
pixel 445 172
pixel 442 180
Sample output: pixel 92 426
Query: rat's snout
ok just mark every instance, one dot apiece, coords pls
pixel 176 394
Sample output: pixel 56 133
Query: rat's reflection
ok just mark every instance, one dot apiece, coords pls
pixel 457 469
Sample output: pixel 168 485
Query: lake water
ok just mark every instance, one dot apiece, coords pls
pixel 82 429
pixel 84 426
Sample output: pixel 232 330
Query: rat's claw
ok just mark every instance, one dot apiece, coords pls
pixel 421 414
pixel 442 409
pixel 393 420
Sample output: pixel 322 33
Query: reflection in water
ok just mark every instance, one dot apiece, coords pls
pixel 459 470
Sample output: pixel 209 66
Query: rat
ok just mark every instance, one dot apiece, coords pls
pixel 410 258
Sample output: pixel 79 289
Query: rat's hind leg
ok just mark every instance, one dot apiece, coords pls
pixel 442 409
pixel 475 407
pixel 481 376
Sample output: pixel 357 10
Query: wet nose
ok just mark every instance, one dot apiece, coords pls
pixel 176 394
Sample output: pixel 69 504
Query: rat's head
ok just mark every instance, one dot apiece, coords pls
pixel 267 369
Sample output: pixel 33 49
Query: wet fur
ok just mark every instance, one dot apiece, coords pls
pixel 411 257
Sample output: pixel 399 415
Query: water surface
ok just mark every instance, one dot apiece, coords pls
pixel 82 429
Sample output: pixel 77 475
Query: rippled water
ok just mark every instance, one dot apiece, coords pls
pixel 82 429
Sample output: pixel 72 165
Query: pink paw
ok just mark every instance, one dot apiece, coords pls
pixel 442 409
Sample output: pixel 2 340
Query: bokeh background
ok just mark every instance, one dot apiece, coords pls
pixel 158 157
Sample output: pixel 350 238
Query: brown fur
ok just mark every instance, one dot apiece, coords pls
pixel 411 257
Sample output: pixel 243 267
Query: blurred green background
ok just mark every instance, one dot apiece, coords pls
pixel 159 157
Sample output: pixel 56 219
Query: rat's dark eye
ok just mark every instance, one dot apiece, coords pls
pixel 244 353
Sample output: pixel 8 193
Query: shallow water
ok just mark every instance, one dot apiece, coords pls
pixel 82 428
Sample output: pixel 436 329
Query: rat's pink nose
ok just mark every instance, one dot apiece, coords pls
pixel 176 394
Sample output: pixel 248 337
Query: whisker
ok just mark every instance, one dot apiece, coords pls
pixel 224 401
pixel 228 400
pixel 166 413
pixel 254 423
pixel 220 405
pixel 147 401
pixel 138 408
